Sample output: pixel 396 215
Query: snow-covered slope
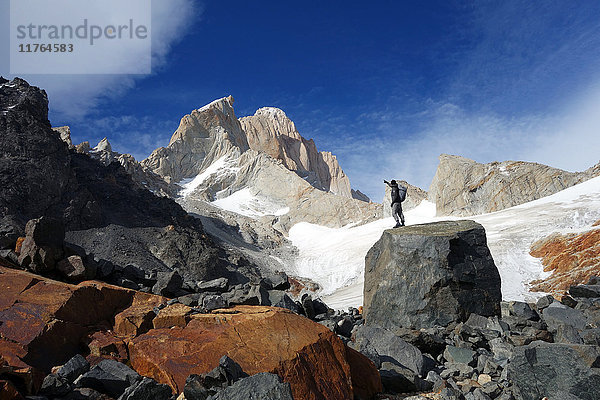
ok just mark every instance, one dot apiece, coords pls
pixel 335 257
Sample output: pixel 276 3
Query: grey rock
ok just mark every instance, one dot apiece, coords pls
pixel 75 367
pixel 329 324
pixel 436 380
pixel 523 310
pixel 544 302
pixel 588 291
pixel 215 285
pixel 213 302
pixel 167 283
pixel 307 306
pixel 146 389
pixel 264 386
pixel 247 294
pixel 55 385
pixel 479 394
pixel 74 269
pixel 550 369
pixel 594 280
pixel 567 334
pixel 390 348
pixel 110 377
pixel 459 355
pixel 457 371
pixel 450 393
pixel 591 336
pixel 201 387
pixel 396 378
pixel 501 349
pixel 277 281
pixel 453 265
pixel 190 300
pixel 278 298
pixel 557 314
pixel 569 301
pixel 10 231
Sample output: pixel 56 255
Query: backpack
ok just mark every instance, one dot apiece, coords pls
pixel 401 193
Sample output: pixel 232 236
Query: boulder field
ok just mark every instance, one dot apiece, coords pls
pixel 44 323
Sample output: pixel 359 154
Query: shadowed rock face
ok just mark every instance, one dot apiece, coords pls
pixel 572 258
pixel 101 207
pixel 432 274
pixel 465 187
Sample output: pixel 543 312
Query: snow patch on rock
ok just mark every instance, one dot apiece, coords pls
pixel 245 203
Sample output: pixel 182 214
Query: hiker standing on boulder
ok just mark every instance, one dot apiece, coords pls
pixel 398 196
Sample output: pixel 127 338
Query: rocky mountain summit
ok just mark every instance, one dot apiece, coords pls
pixel 261 159
pixel 464 187
pixel 270 131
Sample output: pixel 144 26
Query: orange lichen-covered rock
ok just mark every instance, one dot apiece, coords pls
pixel 365 377
pixel 47 319
pixel 174 315
pixel 105 344
pixel 261 339
pixel 137 318
pixel 19 244
pixel 572 258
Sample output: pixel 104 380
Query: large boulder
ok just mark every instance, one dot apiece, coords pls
pixel 432 274
pixel 303 353
pixel 556 371
pixel 42 322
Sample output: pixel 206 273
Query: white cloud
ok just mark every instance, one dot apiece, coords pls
pixel 74 96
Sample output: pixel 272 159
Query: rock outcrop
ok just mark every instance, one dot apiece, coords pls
pixel 270 131
pixel 414 196
pixel 432 274
pixel 65 135
pixel 41 326
pixel 572 258
pixel 464 187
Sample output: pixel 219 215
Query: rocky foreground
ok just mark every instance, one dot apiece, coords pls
pixel 433 325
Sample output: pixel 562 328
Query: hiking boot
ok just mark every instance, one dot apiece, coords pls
pixel 398 225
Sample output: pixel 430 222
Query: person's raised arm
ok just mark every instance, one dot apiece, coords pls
pixel 384 181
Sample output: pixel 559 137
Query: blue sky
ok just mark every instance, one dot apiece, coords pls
pixel 386 86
